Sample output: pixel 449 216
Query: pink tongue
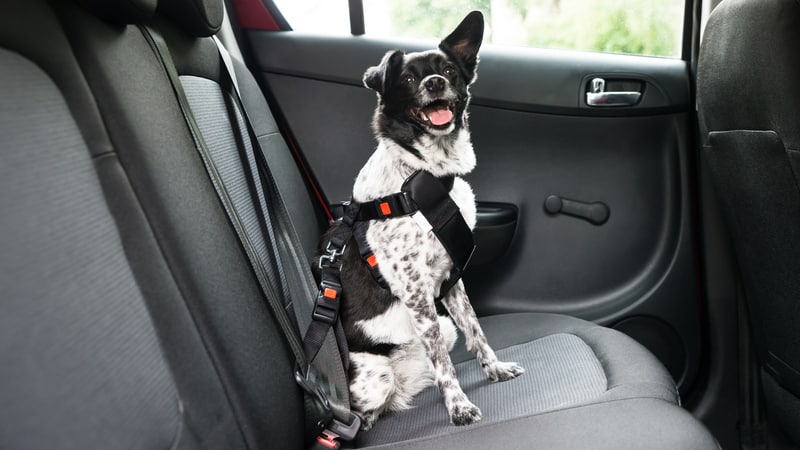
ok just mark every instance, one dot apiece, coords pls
pixel 440 116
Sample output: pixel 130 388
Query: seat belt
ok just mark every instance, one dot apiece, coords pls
pixel 330 355
pixel 329 407
pixel 333 347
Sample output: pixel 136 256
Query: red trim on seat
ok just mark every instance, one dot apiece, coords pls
pixel 310 179
pixel 254 15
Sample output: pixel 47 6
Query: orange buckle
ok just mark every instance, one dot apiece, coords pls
pixel 372 261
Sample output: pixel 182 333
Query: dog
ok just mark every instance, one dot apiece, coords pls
pixel 398 344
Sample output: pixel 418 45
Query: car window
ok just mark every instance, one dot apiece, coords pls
pixel 640 27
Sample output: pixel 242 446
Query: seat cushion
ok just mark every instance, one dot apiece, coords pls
pixel 570 363
pixel 637 423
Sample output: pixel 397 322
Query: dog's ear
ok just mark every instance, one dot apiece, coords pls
pixel 463 43
pixel 379 78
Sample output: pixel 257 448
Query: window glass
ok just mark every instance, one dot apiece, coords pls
pixel 316 16
pixel 642 27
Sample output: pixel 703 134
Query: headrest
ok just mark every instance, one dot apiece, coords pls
pixel 748 68
pixel 121 11
pixel 199 18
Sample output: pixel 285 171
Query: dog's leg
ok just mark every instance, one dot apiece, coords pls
pixel 413 372
pixel 426 323
pixel 460 309
pixel 372 383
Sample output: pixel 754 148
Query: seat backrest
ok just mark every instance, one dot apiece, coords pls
pixel 748 96
pixel 82 366
pixel 155 147
pixel 128 311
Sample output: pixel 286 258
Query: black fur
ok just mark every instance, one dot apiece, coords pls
pixel 397 98
pixel 357 284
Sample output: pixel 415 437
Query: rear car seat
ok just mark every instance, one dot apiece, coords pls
pixel 130 316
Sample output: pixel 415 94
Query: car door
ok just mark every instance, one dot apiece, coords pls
pixel 585 178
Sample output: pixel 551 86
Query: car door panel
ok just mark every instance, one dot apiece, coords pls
pixel 535 137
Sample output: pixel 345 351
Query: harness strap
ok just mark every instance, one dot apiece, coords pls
pixel 324 381
pixel 421 193
pixel 432 198
pixel 367 255
pixel 326 307
pixel 395 205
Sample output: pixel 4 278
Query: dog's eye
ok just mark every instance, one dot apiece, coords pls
pixel 449 71
pixel 409 79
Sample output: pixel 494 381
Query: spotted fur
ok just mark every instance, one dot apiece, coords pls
pixel 398 343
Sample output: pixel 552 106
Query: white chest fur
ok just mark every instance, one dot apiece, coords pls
pixel 401 246
pixel 390 165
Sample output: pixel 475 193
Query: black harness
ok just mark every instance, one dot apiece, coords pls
pixel 425 198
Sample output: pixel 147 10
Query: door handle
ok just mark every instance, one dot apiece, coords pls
pixel 598 96
pixel 595 213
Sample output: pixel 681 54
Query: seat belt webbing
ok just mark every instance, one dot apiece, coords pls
pixel 331 361
pixel 309 381
pixel 160 47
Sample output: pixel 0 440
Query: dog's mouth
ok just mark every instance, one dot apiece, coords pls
pixel 437 114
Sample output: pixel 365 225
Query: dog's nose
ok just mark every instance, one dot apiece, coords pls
pixel 434 85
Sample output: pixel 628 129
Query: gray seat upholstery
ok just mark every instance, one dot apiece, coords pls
pixel 748 94
pixel 129 313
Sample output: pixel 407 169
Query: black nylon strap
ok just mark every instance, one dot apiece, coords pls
pixel 395 205
pixel 162 51
pixel 366 253
pixel 432 197
pixel 348 424
pixel 325 310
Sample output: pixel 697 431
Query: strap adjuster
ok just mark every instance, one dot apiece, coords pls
pixel 326 307
pixel 394 205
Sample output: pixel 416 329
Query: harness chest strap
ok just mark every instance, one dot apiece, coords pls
pixel 424 195
pixel 421 193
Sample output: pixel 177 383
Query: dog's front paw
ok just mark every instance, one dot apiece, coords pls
pixel 367 420
pixel 465 413
pixel 503 371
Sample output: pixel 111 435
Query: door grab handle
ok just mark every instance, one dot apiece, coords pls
pixel 598 96
pixel 595 213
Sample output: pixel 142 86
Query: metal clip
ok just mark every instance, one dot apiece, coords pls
pixel 332 254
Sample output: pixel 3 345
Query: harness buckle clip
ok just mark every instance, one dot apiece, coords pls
pixel 394 205
pixel 331 255
pixel 326 307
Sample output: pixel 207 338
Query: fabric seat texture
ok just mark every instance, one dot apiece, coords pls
pixel 747 96
pixel 130 316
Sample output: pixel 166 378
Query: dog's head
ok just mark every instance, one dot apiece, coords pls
pixel 427 93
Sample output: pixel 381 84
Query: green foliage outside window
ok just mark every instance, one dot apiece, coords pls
pixel 643 27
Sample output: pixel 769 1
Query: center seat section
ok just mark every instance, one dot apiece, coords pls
pixel 586 386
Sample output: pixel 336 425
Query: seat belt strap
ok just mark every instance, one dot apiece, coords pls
pixel 432 197
pixel 333 360
pixel 307 381
pixel 160 47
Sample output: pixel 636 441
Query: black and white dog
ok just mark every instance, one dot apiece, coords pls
pixel 398 344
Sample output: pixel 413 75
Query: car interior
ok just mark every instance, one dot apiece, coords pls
pixel 168 167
